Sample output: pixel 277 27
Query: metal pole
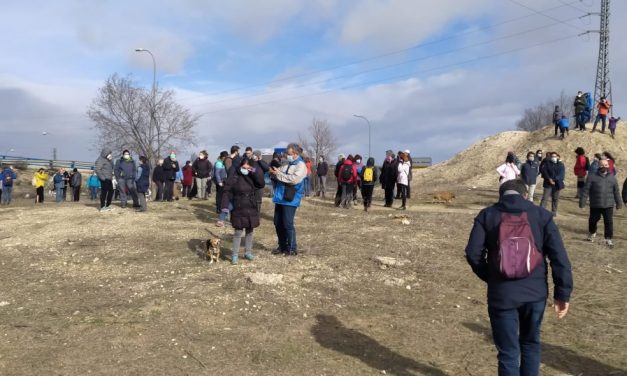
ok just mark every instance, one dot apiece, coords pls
pixel 369 133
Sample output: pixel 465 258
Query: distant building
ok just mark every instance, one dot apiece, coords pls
pixel 422 162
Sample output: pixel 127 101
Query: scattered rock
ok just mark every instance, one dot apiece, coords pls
pixel 405 221
pixel 394 282
pixel 391 261
pixel 96 259
pixel 264 279
pixel 4 303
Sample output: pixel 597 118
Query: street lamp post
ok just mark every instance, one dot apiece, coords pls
pixel 154 95
pixel 369 133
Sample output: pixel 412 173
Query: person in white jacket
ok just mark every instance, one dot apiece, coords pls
pixel 508 170
pixel 402 178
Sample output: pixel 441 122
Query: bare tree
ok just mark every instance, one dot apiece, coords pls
pixel 322 142
pixel 542 115
pixel 122 115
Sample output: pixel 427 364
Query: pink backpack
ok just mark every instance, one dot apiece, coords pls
pixel 518 256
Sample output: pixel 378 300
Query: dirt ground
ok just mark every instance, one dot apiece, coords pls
pixel 127 293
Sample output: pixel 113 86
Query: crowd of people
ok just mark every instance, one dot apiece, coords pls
pixel 583 113
pixel 596 180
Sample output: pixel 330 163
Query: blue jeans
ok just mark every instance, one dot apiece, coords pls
pixel 6 194
pixel 603 118
pixel 307 185
pixel 518 354
pixel 59 194
pixel 93 193
pixel 285 230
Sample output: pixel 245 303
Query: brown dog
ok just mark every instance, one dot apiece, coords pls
pixel 444 196
pixel 213 250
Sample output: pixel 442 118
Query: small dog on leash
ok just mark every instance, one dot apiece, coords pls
pixel 213 250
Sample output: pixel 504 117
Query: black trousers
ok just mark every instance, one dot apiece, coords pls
pixel 338 195
pixel 389 194
pixel 168 193
pixel 40 195
pixel 608 221
pixel 160 188
pixel 366 194
pixel 76 193
pixel 106 192
pixel 403 194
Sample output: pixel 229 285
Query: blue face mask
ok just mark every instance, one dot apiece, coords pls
pixel 243 171
pixel 290 158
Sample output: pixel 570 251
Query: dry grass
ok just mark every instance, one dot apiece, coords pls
pixel 125 293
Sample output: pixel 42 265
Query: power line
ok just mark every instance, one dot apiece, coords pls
pixel 395 77
pixel 545 15
pixel 381 68
pixel 387 54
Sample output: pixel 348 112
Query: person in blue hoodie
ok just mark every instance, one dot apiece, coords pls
pixel 93 183
pixel 516 306
pixel 287 196
pixel 564 124
pixel 553 173
pixel 7 179
pixel 59 185
pixel 219 176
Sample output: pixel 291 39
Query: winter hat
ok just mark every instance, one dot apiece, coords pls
pixel 407 151
pixel 126 151
pixel 257 153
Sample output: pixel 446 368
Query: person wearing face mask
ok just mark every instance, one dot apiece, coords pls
pixel 240 194
pixel 529 174
pixel 202 169
pixel 125 173
pixel 358 167
pixel 158 177
pixel 602 189
pixel 287 196
pixel 321 171
pixel 104 171
pixel 553 174
pixel 580 107
pixel 170 168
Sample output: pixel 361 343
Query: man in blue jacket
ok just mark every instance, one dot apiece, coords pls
pixel 287 195
pixel 529 174
pixel 516 306
pixel 553 173
pixel 7 178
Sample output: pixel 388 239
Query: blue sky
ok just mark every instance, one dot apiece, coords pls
pixel 260 71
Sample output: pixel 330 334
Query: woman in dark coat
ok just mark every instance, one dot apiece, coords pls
pixel 240 189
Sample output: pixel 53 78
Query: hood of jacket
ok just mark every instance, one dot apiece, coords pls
pixel 370 162
pixel 348 162
pixel 105 152
pixel 513 203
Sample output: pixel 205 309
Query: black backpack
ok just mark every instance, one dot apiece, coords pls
pixel 347 172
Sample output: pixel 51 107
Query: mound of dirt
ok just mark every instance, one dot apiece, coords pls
pixel 475 166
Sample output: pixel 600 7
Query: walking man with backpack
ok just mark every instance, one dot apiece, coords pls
pixel 368 179
pixel 347 179
pixel 321 171
pixel 602 188
pixel 508 249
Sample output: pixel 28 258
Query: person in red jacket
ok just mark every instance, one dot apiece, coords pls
pixel 582 165
pixel 188 178
pixel 347 177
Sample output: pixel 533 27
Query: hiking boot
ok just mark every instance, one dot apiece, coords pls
pixel 249 256
pixel 277 251
pixel 234 260
pixel 123 206
pixel 402 208
pixel 291 253
pixel 609 243
pixel 591 237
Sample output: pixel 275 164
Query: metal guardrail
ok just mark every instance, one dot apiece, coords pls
pixel 45 163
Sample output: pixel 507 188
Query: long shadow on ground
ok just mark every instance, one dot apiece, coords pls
pixel 561 358
pixel 330 333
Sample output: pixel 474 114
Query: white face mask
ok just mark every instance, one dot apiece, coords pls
pixel 554 159
pixel 358 161
pixel 243 171
pixel 290 158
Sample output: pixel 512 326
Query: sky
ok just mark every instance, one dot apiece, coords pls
pixel 431 77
